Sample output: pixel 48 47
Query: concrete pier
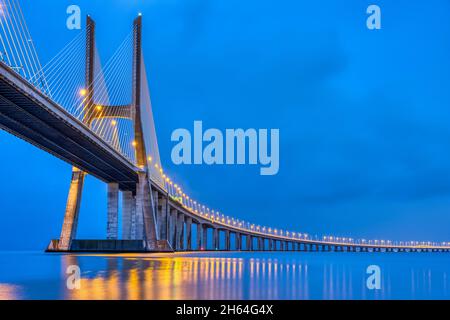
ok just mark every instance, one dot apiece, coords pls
pixel 128 216
pixel 248 245
pixel 238 241
pixel 199 236
pixel 215 239
pixel 260 244
pixel 179 241
pixel 69 228
pixel 188 233
pixel 162 216
pixel 205 237
pixel 173 227
pixel 227 240
pixel 112 225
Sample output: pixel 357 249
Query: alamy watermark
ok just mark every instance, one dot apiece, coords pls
pixel 73 21
pixel 373 22
pixel 373 281
pixel 74 277
pixel 213 147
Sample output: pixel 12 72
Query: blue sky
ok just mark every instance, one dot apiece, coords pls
pixel 363 115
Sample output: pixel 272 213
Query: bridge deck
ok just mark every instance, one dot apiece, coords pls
pixel 28 114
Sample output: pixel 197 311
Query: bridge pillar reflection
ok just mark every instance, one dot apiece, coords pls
pixel 112 225
pixel 69 229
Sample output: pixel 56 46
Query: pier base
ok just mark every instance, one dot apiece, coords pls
pixel 112 246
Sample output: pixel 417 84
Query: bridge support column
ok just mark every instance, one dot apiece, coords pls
pixel 248 243
pixel 260 244
pixel 238 241
pixel 140 211
pixel 286 246
pixel 199 237
pixel 189 233
pixel 227 240
pixel 69 228
pixel 128 216
pixel 145 212
pixel 173 227
pixel 180 232
pixel 205 237
pixel 113 212
pixel 215 239
pixel 162 215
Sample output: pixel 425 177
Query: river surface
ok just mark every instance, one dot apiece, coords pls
pixel 233 275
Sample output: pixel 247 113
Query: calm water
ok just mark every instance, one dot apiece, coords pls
pixel 295 275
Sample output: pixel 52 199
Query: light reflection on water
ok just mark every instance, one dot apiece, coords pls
pixel 225 276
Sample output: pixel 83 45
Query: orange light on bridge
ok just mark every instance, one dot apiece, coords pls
pixel 134 144
pixel 114 123
pixel 98 108
pixel 83 92
pixel 150 159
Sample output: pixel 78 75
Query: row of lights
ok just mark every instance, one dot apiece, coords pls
pixel 215 217
pixel 196 208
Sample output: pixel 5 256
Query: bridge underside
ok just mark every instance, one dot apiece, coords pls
pixel 27 114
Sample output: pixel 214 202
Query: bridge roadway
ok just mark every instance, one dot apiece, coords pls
pixel 175 220
pixel 30 115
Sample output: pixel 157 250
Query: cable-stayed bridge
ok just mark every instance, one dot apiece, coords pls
pixel 99 119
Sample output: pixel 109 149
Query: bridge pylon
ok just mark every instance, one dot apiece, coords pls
pixel 138 211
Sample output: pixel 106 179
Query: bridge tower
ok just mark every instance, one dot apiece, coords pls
pixel 70 224
pixel 138 214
